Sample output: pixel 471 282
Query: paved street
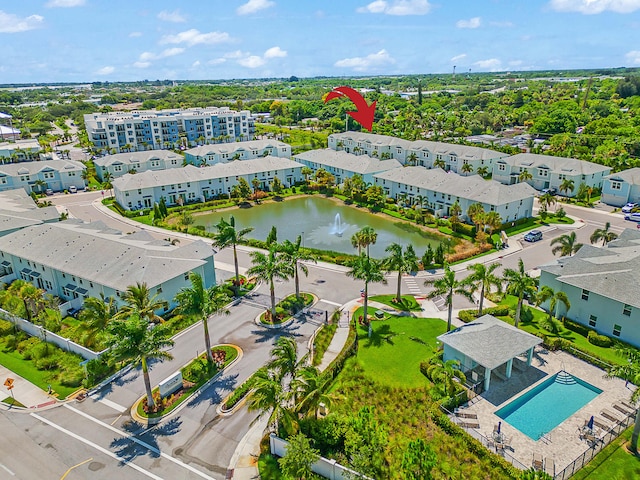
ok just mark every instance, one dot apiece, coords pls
pixel 195 442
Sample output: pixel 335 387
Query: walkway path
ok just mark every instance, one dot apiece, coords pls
pixel 24 391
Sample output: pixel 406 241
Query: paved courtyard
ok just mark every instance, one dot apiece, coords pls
pixel 564 443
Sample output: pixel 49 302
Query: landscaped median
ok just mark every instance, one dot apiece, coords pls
pixel 286 310
pixel 196 375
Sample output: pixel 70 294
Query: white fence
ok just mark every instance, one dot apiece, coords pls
pixel 327 468
pixel 37 331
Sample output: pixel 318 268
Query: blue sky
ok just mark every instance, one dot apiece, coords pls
pixel 121 40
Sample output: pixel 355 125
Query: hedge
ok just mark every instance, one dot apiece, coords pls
pixel 599 340
pixel 470 315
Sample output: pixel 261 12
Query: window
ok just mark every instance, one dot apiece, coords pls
pixel 502 167
pixel 616 185
pixel 627 310
pixel 543 172
pixel 159 290
pixel 186 276
pixel 592 320
pixel 616 330
pixel 585 294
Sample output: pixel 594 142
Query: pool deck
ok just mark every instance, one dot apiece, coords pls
pixel 564 443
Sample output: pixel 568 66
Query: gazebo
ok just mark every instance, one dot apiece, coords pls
pixel 489 343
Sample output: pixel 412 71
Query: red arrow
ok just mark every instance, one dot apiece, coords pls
pixel 364 113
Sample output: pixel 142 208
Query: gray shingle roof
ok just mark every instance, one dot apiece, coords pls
pixel 137 157
pixel 631 175
pixel 461 151
pixel 233 147
pixel 372 138
pixel 190 173
pixel 472 187
pixel 361 164
pixel 570 166
pixel 18 210
pixel 606 271
pixel 489 341
pixel 90 252
pixel 31 168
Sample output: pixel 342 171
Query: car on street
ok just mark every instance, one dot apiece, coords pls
pixel 73 189
pixel 634 217
pixel 533 236
pixel 551 190
pixel 628 207
pixel 48 192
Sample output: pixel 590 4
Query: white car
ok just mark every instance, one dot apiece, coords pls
pixel 634 217
pixel 628 207
pixel 73 189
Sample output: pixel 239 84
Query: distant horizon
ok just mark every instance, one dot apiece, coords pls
pixel 80 41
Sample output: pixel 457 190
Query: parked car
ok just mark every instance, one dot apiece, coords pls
pixel 551 190
pixel 628 207
pixel 533 236
pixel 634 217
pixel 48 192
pixel 73 189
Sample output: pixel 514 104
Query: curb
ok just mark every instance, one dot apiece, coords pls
pixel 291 319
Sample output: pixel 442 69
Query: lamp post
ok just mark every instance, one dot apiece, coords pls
pixel 302 239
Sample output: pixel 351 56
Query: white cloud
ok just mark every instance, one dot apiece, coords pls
pixel 633 57
pixel 515 63
pixel 64 3
pixel 135 34
pixel 491 64
pixel 142 64
pixel 373 60
pixel 105 71
pixel 195 37
pixel 471 23
pixel 458 57
pixel 397 7
pixel 10 23
pixel 253 6
pixel 236 54
pixel 171 52
pixel 252 61
pixel 592 7
pixel 216 61
pixel 275 52
pixel 175 16
pixel 195 64
pixel 146 56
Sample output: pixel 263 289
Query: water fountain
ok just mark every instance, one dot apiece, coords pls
pixel 338 227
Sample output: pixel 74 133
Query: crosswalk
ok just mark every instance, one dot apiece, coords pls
pixel 412 286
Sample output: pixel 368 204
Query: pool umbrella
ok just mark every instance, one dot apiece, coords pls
pixel 590 424
pixel 499 425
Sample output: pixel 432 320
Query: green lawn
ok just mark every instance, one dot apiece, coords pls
pixel 409 303
pixel 608 354
pixel 393 354
pixel 614 462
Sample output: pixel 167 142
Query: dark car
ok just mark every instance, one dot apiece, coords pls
pixel 533 236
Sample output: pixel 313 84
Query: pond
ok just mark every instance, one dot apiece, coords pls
pixel 323 224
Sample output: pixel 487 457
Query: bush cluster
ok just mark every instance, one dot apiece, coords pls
pixel 470 315
pixel 599 340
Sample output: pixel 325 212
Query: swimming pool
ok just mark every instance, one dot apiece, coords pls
pixel 547 405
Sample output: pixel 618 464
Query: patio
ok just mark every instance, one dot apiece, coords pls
pixel 565 442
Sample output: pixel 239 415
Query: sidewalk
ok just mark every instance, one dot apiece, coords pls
pixel 24 392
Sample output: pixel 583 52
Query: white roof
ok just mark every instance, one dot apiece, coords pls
pixel 137 157
pixel 361 164
pixel 568 166
pixel 31 168
pixel 233 147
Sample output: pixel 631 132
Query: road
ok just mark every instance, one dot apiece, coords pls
pixel 97 437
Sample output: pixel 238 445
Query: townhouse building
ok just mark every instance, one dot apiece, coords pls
pixel 18 210
pixel 163 129
pixel 197 184
pixel 58 175
pixel 121 163
pixel 20 151
pixel 621 188
pixel 439 190
pixel 549 172
pixel 227 152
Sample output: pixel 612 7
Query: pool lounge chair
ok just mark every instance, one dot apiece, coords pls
pixel 538 462
pixel 472 416
pixel 550 466
pixel 609 415
pixel 469 424
pixel 628 405
pixel 622 409
pixel 601 423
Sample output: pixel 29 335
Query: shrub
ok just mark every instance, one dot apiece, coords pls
pixel 97 370
pixel 5 327
pixel 498 311
pixel 467 315
pixel 72 378
pixel 599 340
pixel 24 347
pixel 576 327
pixel 47 363
pixel 11 341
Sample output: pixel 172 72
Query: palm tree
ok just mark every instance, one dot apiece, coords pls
pixel 228 235
pixel 95 315
pixel 482 171
pixel 466 168
pixel 132 340
pixel 493 221
pixel 546 200
pixel 519 284
pixel 41 184
pixel 603 234
pixel 630 371
pixel 295 255
pixel 483 279
pixel 567 185
pixel 412 159
pixel 565 245
pixel 306 172
pixel 476 212
pixel 447 286
pixel 202 302
pixel 369 270
pixel 444 374
pixel 268 267
pixel 439 163
pixel 139 302
pixel 270 395
pixel 284 358
pixel 369 237
pixel 555 299
pixel 401 262
pixel 310 388
pixel 525 175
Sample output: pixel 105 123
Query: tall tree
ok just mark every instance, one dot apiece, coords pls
pixel 565 245
pixel 269 267
pixel 448 286
pixel 555 298
pixel 140 302
pixel 202 302
pixel 296 255
pixel 603 234
pixel 401 262
pixel 525 175
pixel 476 213
pixel 95 316
pixel 132 340
pixel 519 284
pixel 228 235
pixel 444 375
pixel 567 185
pixel 297 462
pixel 368 270
pixel 546 200
pixel 630 371
pixel 482 279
